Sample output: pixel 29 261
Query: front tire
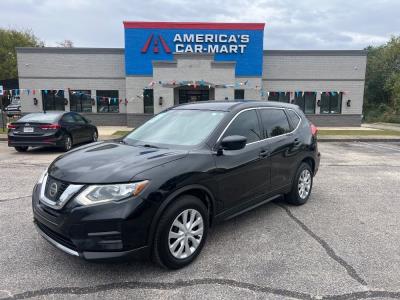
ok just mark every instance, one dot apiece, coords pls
pixel 95 136
pixel 302 185
pixel 21 148
pixel 181 233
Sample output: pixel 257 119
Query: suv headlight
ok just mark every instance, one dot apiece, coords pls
pixel 94 194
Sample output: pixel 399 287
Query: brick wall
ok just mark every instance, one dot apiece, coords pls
pixel 318 71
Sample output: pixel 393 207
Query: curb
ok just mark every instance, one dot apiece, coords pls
pixel 389 140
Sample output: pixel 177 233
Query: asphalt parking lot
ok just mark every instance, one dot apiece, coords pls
pixel 343 244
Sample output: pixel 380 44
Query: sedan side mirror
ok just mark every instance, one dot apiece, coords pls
pixel 233 142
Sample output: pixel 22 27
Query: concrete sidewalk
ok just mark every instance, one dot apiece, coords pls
pixel 388 126
pixel 106 132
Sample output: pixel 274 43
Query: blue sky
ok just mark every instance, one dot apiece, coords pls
pixel 303 24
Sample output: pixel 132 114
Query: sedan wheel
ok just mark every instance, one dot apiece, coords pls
pixel 67 143
pixel 95 136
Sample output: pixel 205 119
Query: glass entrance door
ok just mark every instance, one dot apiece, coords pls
pixel 193 95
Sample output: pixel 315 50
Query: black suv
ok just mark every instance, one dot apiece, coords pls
pixel 157 191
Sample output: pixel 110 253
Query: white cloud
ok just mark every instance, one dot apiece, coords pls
pixel 290 24
pixel 366 39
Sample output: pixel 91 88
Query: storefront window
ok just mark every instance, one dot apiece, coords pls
pixel 53 100
pixel 107 101
pixel 279 97
pixel 306 101
pixel 239 94
pixel 80 101
pixel 331 103
pixel 148 101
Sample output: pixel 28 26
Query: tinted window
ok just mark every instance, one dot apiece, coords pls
pixel 245 124
pixel 279 96
pixel 274 122
pixel 294 117
pixel 68 118
pixel 80 100
pixel 306 101
pixel 148 101
pixel 79 119
pixel 107 101
pixel 331 103
pixel 40 118
pixel 53 100
pixel 239 94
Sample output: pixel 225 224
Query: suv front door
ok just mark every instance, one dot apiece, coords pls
pixel 243 175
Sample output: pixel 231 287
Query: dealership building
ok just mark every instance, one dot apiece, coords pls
pixel 168 63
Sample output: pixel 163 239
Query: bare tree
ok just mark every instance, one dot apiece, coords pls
pixel 66 44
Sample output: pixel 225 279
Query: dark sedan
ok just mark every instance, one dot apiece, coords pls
pixel 59 129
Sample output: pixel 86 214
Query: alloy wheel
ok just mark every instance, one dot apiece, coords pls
pixel 95 136
pixel 304 184
pixel 68 143
pixel 186 233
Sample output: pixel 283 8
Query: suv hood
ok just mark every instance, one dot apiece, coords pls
pixel 109 162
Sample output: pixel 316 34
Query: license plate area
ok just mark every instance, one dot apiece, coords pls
pixel 28 129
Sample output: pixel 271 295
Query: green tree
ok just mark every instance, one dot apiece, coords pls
pixel 9 39
pixel 382 83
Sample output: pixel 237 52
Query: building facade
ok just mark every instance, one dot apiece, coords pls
pixel 165 64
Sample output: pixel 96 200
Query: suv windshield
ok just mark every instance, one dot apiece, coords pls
pixel 176 127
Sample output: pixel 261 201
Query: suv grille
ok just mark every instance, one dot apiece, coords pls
pixel 54 188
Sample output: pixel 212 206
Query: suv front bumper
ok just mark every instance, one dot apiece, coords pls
pixel 98 232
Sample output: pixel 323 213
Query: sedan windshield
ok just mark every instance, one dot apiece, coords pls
pixel 176 127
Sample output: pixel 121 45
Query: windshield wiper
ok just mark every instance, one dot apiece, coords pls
pixel 150 146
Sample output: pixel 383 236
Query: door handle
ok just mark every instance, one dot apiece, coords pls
pixel 264 153
pixel 297 142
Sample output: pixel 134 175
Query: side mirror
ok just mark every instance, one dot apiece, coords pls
pixel 233 142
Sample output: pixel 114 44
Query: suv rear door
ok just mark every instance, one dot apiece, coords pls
pixel 279 143
pixel 242 174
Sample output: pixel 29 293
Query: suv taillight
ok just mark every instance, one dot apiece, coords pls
pixel 314 129
pixel 11 126
pixel 50 126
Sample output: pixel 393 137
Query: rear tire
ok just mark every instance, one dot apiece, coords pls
pixel 21 148
pixel 181 233
pixel 67 143
pixel 302 185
